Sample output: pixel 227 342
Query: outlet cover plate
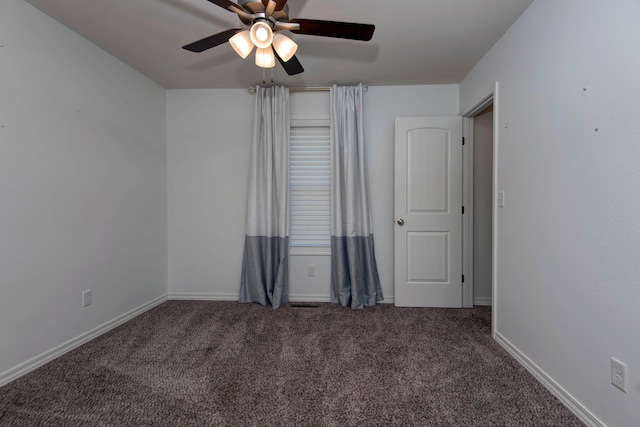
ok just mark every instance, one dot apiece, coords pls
pixel 86 297
pixel 619 374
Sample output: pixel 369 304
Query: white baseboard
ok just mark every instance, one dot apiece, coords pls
pixel 194 296
pixel 482 301
pixel 565 397
pixel 201 296
pixel 309 298
pixel 47 356
pixel 325 298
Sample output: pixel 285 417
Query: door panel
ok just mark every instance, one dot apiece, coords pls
pixel 427 154
pixel 427 260
pixel 428 201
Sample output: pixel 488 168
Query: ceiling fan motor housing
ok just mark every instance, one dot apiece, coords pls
pixel 257 8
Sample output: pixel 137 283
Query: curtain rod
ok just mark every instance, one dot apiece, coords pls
pixel 252 90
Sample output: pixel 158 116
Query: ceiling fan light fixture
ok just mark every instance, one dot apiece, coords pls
pixel 284 46
pixel 241 43
pixel 265 58
pixel 263 20
pixel 261 34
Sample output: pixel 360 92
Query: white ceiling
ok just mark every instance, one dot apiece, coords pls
pixel 415 41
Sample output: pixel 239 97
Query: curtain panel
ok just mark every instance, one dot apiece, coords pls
pixel 354 272
pixel 265 266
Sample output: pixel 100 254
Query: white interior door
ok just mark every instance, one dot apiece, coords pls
pixel 428 211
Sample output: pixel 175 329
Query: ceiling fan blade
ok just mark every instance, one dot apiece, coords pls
pixel 226 4
pixel 279 4
pixel 269 7
pixel 233 7
pixel 292 66
pixel 341 30
pixel 211 41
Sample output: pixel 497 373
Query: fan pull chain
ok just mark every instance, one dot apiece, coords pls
pixel 271 75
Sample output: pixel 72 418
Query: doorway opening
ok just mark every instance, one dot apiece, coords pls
pixel 480 192
pixel 482 197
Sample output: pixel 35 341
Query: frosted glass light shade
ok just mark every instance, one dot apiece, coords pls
pixel 265 58
pixel 241 43
pixel 261 34
pixel 285 47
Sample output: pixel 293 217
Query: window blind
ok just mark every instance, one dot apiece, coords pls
pixel 309 185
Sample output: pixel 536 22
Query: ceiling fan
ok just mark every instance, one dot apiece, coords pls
pixel 264 21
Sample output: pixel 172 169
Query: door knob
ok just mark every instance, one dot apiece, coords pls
pixel 400 221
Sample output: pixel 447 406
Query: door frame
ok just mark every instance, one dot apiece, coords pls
pixel 488 97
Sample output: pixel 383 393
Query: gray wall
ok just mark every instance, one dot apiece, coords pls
pixel 568 275
pixel 208 149
pixel 82 186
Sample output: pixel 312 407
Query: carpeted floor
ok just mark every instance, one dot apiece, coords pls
pixel 188 363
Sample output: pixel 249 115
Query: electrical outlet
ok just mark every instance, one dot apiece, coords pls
pixel 619 374
pixel 311 271
pixel 86 297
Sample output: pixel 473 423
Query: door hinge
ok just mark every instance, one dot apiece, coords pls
pixel 463 278
pixel 463 210
pixel 463 140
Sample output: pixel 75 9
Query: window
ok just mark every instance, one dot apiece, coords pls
pixel 309 184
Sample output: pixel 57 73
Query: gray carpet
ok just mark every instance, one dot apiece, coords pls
pixel 187 363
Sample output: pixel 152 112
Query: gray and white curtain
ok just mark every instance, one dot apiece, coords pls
pixel 265 267
pixel 354 273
